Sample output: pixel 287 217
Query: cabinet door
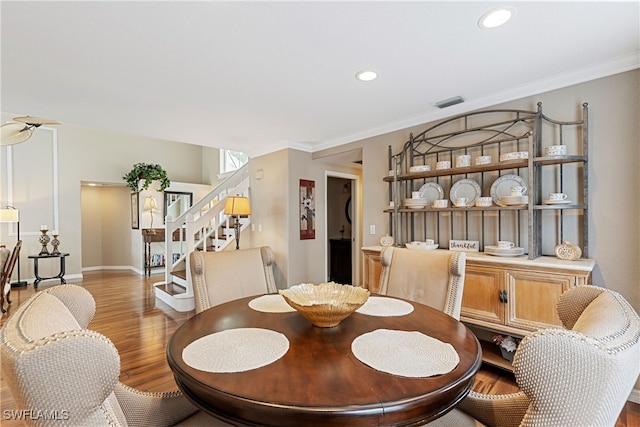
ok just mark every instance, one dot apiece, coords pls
pixel 481 296
pixel 372 271
pixel 533 296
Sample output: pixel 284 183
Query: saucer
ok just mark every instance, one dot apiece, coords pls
pixel 508 252
pixel 557 202
pixel 462 206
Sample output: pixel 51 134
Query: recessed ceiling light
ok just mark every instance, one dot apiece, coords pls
pixel 366 76
pixel 496 17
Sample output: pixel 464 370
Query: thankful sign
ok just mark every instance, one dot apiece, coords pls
pixel 464 245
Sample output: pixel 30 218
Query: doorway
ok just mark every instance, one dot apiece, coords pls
pixel 341 227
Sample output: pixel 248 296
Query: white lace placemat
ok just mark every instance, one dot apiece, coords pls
pixel 272 303
pixel 385 307
pixel 405 353
pixel 235 350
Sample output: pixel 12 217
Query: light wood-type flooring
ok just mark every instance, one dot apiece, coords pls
pixel 139 325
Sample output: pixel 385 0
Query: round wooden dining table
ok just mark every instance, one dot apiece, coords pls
pixel 319 381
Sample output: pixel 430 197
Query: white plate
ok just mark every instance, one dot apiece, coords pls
pixel 465 188
pixel 421 246
pixel 557 202
pixel 431 191
pixel 496 251
pixel 415 206
pixel 502 186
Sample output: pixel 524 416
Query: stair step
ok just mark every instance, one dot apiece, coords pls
pixel 180 273
pixel 172 288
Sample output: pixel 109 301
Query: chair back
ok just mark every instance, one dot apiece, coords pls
pixel 433 278
pixel 220 277
pixel 8 261
pixel 582 375
pixel 54 367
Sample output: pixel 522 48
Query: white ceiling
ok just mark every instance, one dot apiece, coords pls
pixel 260 76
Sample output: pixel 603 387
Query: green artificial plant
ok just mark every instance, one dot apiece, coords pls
pixel 148 173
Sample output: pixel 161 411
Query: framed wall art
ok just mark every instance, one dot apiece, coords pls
pixel 135 212
pixel 307 209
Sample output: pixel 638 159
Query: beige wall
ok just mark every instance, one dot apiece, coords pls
pixel 84 155
pixel 614 231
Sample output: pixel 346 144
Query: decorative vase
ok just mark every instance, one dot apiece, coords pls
pixel 55 243
pixel 44 239
pixel 508 355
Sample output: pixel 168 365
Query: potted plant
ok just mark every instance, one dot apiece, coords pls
pixel 147 172
pixel 507 344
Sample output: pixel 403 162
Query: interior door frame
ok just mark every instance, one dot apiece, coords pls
pixel 355 224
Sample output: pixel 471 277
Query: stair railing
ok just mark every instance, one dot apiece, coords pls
pixel 200 226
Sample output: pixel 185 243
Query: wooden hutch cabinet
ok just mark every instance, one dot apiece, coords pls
pixel 503 294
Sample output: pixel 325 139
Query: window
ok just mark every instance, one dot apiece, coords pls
pixel 231 160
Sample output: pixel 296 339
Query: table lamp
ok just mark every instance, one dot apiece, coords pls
pixel 149 206
pixel 236 206
pixel 11 214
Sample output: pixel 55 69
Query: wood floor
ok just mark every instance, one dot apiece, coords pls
pixel 139 325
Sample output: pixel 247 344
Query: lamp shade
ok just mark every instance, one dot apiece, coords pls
pixel 149 204
pixel 237 205
pixel 9 215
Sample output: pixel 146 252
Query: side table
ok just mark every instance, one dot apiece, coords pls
pixel 60 275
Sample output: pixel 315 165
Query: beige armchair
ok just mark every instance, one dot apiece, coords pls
pixel 433 278
pixel 55 367
pixel 578 376
pixel 220 277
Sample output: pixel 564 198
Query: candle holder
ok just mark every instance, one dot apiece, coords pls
pixel 55 243
pixel 44 239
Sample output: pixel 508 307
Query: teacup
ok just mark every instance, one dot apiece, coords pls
pixel 463 161
pixel 504 244
pixel 430 241
pixel 440 203
pixel 443 164
pixel 483 160
pixel 416 195
pixel 462 201
pixel 518 191
pixel 484 201
pixel 557 196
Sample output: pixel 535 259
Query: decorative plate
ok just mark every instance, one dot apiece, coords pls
pixel 431 191
pixel 465 188
pixel 502 186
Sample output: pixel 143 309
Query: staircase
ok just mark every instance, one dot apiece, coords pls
pixel 204 227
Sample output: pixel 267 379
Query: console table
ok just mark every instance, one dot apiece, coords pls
pixel 60 275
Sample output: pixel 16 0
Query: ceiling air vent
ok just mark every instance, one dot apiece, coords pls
pixel 449 102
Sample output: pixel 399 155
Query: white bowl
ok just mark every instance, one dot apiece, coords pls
pixel 420 168
pixel 421 246
pixel 514 200
pixel 516 155
pixel 555 150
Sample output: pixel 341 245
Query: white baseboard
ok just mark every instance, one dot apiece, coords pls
pixel 634 396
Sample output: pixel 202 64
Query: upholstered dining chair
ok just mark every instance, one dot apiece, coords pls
pixel 433 278
pixel 578 376
pixel 220 277
pixel 55 367
pixel 8 261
